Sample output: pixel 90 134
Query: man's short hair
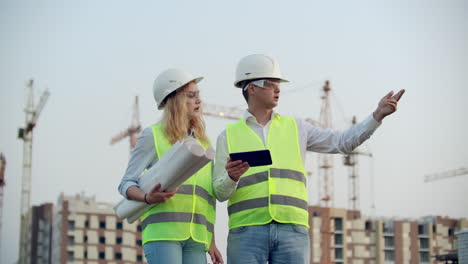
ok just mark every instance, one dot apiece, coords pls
pixel 245 89
pixel 245 93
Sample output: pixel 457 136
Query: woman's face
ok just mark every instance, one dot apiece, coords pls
pixel 192 95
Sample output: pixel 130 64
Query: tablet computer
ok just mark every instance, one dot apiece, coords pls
pixel 254 158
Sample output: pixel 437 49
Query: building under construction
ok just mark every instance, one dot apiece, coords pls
pixel 82 230
pixel 87 231
pixel 41 233
pixel 345 236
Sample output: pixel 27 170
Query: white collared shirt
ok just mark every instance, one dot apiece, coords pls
pixel 311 138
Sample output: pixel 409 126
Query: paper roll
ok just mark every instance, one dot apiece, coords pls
pixel 180 162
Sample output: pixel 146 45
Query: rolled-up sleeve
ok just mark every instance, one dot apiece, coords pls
pixel 332 141
pixel 141 158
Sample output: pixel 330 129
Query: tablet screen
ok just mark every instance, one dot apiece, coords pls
pixel 254 158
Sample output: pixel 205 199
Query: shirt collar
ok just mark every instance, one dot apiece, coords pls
pixel 248 115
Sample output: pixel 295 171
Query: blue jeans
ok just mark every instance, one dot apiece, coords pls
pixel 175 252
pixel 274 242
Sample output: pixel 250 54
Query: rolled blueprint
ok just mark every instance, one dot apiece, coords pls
pixel 180 162
pixel 191 169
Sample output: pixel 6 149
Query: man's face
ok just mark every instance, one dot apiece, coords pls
pixel 268 95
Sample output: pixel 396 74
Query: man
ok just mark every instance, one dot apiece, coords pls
pixel 268 217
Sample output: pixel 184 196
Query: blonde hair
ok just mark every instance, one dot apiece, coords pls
pixel 175 120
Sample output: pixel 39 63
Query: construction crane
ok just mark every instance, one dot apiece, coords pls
pixel 133 130
pixel 445 174
pixel 26 134
pixel 232 113
pixel 325 161
pixel 2 184
pixel 351 161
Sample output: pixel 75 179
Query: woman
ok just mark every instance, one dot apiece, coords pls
pixel 179 228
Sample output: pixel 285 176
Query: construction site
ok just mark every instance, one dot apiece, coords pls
pixel 77 95
pixel 80 229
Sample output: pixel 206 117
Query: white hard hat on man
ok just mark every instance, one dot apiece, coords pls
pixel 168 81
pixel 257 67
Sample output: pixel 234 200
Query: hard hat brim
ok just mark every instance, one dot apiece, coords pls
pixel 238 84
pixel 197 80
pixel 163 103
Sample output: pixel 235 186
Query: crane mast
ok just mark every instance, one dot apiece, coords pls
pixel 2 185
pixel 325 161
pixel 26 134
pixel 133 130
pixel 351 161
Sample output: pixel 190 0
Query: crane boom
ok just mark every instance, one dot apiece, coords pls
pixel 40 106
pixel 121 135
pixel 234 113
pixel 445 174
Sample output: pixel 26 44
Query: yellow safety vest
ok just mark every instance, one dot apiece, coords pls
pixel 189 213
pixel 274 192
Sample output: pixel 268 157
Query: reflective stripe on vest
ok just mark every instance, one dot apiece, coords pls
pixel 263 201
pixel 263 176
pixel 275 192
pixel 177 217
pixel 189 213
pixel 188 189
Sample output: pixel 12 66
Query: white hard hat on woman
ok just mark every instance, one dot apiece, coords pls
pixel 168 81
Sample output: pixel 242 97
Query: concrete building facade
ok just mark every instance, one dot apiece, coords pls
pixel 344 236
pixel 80 230
pixel 88 232
pixel 41 234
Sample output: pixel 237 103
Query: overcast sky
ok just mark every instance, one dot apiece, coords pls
pixel 95 56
